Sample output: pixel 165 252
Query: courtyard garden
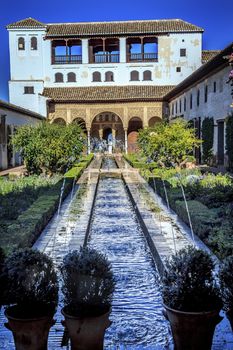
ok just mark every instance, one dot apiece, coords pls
pixel 166 161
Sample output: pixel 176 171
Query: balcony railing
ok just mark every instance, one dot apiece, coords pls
pixel 69 59
pixel 105 58
pixel 142 57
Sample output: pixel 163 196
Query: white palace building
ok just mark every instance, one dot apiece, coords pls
pixel 113 77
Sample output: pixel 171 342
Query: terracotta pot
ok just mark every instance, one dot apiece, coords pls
pixel 29 334
pixel 86 333
pixel 192 330
pixel 229 315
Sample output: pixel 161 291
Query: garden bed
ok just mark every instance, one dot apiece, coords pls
pixel 27 204
pixel 209 198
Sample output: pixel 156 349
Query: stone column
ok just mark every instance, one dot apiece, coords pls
pixel 122 50
pixel 85 53
pixel 113 137
pixel 88 141
pixel 101 132
pixel 126 140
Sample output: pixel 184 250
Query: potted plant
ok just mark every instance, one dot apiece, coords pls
pixel 191 299
pixel 88 287
pixel 226 283
pixel 32 288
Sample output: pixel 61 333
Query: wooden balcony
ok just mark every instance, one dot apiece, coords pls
pixel 105 58
pixel 67 59
pixel 142 57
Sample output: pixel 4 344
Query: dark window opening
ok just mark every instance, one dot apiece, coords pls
pixel 178 69
pixel 180 105
pixel 29 89
pixel 147 75
pixel 59 78
pixel 21 44
pixel 134 75
pixel 182 52
pixel 109 76
pixel 215 86
pixel 191 101
pixel 198 97
pixel 96 76
pixel 71 77
pixel 206 93
pixel 33 43
pixel 185 104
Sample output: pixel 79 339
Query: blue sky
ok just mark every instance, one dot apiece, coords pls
pixel 214 16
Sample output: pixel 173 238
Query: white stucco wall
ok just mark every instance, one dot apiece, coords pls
pixel 218 104
pixel 13 119
pixel 34 68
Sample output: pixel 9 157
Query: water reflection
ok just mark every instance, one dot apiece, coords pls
pixel 137 317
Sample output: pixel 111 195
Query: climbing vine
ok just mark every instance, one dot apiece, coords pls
pixel 229 141
pixel 208 139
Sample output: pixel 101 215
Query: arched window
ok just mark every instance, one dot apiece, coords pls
pixel 109 76
pixel 21 44
pixel 59 78
pixel 33 43
pixel 96 76
pixel 147 75
pixel 71 77
pixel 134 75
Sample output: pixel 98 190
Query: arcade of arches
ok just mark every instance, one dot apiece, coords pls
pixel 118 123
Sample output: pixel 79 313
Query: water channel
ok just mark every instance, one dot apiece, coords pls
pixel 137 317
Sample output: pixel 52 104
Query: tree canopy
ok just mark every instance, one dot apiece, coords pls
pixel 168 144
pixel 49 147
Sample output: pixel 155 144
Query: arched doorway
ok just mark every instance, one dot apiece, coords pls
pixel 59 121
pixel 106 129
pixel 81 122
pixel 135 124
pixel 153 121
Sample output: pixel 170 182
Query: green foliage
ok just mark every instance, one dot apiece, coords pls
pixel 208 139
pixel 49 147
pixel 229 141
pixel 25 229
pixel 31 282
pixel 226 283
pixel 203 219
pixel 188 282
pixel 88 282
pixel 168 144
pixel 74 172
pixel 77 170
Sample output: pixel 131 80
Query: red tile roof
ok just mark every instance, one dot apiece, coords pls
pixel 107 93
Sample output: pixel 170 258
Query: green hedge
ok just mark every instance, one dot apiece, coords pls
pixel 74 172
pixel 203 219
pixel 79 167
pixel 28 226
